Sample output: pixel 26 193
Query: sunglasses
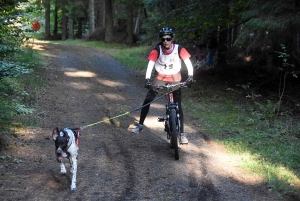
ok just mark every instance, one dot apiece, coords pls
pixel 166 39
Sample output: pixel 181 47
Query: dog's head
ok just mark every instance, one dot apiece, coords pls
pixel 61 139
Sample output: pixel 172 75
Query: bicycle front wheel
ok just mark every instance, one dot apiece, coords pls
pixel 174 140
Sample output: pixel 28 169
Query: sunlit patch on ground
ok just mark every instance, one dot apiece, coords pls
pixel 112 96
pixel 228 165
pixel 33 45
pixel 28 133
pixel 81 74
pixel 110 83
pixel 79 85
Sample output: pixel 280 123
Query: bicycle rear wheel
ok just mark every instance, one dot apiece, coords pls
pixel 174 140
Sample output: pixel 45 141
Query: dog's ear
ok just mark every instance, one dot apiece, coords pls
pixel 55 133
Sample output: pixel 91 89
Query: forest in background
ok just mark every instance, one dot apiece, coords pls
pixel 259 38
pixel 249 32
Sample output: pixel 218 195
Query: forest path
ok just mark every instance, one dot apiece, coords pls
pixel 84 86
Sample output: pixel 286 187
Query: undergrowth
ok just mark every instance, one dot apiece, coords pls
pixel 16 79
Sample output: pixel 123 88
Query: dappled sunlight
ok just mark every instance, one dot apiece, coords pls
pixel 152 123
pixel 229 166
pixel 111 83
pixel 79 85
pixel 223 164
pixel 211 155
pixel 160 106
pixel 52 183
pixel 36 46
pixel 233 165
pixel 112 96
pixel 279 172
pixel 113 121
pixel 288 176
pixel 81 74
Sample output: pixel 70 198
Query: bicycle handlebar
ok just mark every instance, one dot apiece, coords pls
pixel 170 86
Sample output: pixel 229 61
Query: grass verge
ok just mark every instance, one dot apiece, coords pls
pixel 269 148
pixel 18 86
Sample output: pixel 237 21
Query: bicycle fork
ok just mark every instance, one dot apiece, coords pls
pixel 166 120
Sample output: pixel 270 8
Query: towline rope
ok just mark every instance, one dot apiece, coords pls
pixel 120 115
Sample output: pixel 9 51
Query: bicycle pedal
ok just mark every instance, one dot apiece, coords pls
pixel 161 119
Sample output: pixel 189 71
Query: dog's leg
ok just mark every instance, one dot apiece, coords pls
pixel 74 172
pixel 71 163
pixel 62 167
pixel 73 160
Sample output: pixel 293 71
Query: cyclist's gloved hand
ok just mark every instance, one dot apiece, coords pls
pixel 189 81
pixel 148 84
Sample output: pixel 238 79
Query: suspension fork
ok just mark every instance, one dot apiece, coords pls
pixel 169 106
pixel 172 105
pixel 178 118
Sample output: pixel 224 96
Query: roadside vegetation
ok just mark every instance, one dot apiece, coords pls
pixel 17 62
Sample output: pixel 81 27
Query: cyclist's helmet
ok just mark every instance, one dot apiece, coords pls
pixel 166 31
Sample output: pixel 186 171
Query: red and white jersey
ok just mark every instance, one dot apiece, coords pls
pixel 168 64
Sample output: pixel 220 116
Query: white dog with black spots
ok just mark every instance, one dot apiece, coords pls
pixel 66 147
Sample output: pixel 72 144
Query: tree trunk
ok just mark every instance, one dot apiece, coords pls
pixel 222 50
pixel 91 16
pixel 64 24
pixel 55 18
pixel 100 13
pixel 108 21
pixel 298 43
pixel 129 12
pixel 223 36
pixel 79 29
pixel 47 19
pixel 236 30
pixel 137 24
pixel 70 28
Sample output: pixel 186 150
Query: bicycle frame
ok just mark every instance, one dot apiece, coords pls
pixel 172 119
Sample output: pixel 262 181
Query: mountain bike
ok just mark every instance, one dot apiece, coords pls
pixel 172 118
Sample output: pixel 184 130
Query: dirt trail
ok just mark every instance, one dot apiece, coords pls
pixel 84 86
